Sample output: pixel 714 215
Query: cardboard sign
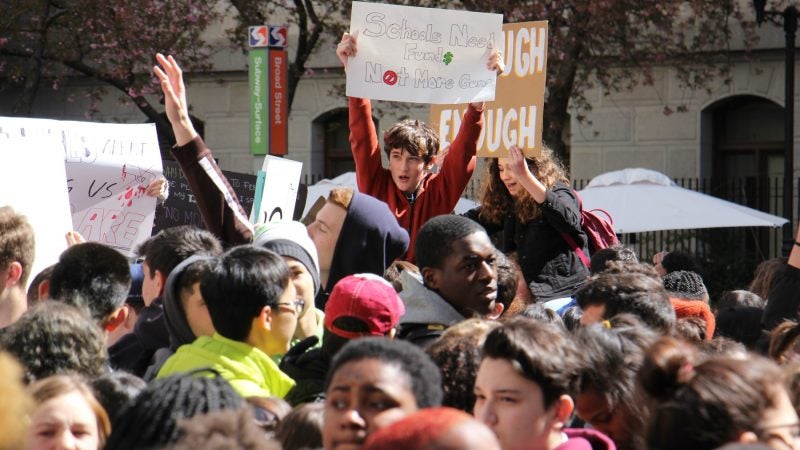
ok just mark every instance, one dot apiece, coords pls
pixel 276 190
pixel 33 182
pixel 422 55
pixel 180 208
pixel 515 117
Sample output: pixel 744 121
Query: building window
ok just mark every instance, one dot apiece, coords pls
pixel 334 130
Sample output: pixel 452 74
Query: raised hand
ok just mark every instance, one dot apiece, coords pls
pixel 516 163
pixel 346 48
pixel 177 108
pixel 495 62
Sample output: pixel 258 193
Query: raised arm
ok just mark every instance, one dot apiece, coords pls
pixel 218 204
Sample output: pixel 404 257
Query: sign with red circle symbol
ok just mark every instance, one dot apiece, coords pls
pixel 390 77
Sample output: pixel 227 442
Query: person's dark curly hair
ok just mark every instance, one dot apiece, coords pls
pixel 54 338
pixel 458 354
pixel 423 377
pixel 152 419
pixel 497 202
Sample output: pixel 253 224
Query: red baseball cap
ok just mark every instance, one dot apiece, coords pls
pixel 366 297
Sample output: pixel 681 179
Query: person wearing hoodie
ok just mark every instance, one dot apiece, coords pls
pixel 290 240
pixel 354 233
pixel 163 252
pixel 459 279
pixel 525 388
pixel 253 307
pixel 185 312
pixel 366 225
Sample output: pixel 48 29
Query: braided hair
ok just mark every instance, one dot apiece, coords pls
pixel 151 420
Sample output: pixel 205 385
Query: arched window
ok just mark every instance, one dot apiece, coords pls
pixel 746 150
pixel 332 132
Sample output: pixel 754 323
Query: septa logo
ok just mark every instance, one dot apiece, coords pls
pixel 258 36
pixel 277 36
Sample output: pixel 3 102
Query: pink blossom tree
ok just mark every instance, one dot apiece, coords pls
pixel 46 42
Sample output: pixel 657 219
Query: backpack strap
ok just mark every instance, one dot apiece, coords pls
pixel 574 246
pixel 569 239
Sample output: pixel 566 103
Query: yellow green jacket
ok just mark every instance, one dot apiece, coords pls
pixel 249 370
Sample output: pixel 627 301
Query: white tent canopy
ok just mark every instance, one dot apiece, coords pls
pixel 348 179
pixel 645 200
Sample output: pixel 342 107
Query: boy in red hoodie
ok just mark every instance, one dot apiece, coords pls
pixel 413 193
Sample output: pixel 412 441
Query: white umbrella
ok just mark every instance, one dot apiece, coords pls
pixel 645 200
pixel 348 179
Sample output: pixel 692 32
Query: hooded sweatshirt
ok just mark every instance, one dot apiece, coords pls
pixel 134 352
pixel 178 328
pixel 427 313
pixel 370 240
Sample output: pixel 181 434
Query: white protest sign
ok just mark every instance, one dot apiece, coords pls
pixel 108 169
pixel 276 190
pixel 422 55
pixel 33 182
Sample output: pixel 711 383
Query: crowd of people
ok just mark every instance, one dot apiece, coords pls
pixel 389 322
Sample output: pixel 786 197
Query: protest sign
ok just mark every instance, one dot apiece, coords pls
pixel 34 183
pixel 276 190
pixel 515 117
pixel 108 169
pixel 180 208
pixel 422 55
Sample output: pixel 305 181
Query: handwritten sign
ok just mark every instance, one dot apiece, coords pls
pixel 515 117
pixel 108 167
pixel 276 190
pixel 34 183
pixel 180 208
pixel 422 55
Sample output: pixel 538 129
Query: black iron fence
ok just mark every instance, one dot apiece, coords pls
pixel 728 255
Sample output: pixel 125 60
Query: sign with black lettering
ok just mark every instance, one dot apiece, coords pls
pixel 422 55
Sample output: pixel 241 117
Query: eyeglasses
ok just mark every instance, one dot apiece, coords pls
pixel 298 305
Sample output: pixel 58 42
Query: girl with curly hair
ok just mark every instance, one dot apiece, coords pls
pixel 528 207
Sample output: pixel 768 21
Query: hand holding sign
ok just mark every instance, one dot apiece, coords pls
pixel 347 48
pixel 420 54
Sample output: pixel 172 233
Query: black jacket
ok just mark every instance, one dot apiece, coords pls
pixel 550 267
pixel 308 368
pixel 134 352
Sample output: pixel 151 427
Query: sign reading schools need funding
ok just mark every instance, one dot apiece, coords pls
pixel 515 117
pixel 422 55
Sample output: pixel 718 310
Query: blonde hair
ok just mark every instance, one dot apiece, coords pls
pixel 17 404
pixel 341 197
pixel 497 202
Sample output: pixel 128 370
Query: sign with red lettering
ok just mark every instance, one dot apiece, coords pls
pixel 278 119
